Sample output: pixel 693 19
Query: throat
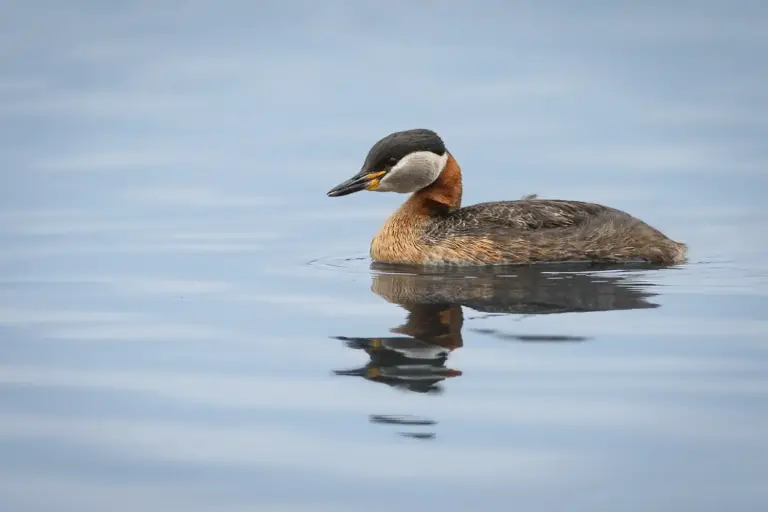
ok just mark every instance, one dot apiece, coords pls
pixel 400 239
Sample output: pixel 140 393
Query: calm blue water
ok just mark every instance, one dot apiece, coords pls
pixel 189 323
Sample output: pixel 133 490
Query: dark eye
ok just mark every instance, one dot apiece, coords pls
pixel 391 161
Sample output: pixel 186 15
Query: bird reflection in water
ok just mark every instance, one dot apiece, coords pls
pixel 415 358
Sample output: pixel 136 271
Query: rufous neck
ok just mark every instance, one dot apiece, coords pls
pixel 445 191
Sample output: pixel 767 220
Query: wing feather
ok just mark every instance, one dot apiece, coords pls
pixel 525 215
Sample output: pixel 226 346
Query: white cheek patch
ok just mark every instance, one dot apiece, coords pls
pixel 413 172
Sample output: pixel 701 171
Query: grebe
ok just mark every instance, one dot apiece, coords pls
pixel 431 227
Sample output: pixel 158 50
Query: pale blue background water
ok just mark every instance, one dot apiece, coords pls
pixel 166 343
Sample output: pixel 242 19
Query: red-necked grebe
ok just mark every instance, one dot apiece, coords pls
pixel 431 227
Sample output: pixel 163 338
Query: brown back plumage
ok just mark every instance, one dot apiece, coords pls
pixel 534 230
